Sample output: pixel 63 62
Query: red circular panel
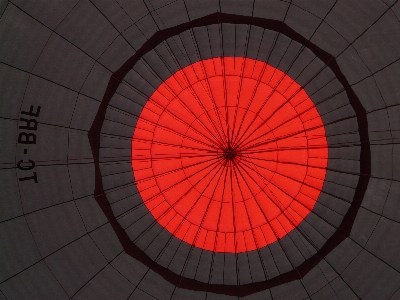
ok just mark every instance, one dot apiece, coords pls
pixel 229 154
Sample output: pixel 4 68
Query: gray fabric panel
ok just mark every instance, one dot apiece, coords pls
pixel 314 281
pixel 91 213
pixel 343 255
pixel 315 7
pixel 12 83
pixel 260 295
pixel 185 294
pixel 327 38
pixel 362 16
pixel 10 206
pixel 96 82
pixel 376 195
pixel 100 33
pixel 139 294
pixel 257 270
pixel 50 14
pixel 244 275
pixel 374 281
pixel 124 264
pixel 134 35
pixel 213 296
pixel 385 79
pixel 40 92
pixel 237 7
pixel 203 269
pixel 79 147
pixel 270 9
pixel 51 145
pixel 326 292
pixel 164 289
pixel 108 283
pixel 382 245
pixel 114 13
pixel 82 178
pixel 302 21
pixel 107 242
pixel 287 291
pixel 80 258
pixel 32 280
pixel 23 33
pixel 20 251
pixel 382 161
pixel 343 291
pixel 392 205
pixel 198 9
pixel 217 268
pixel 193 261
pixel 59 62
pixel 380 36
pixel 39 195
pixel 170 14
pixel 352 65
pixel 364 226
pixel 169 252
pixel 368 93
pixel 230 270
pixel 9 132
pixel 147 26
pixel 48 229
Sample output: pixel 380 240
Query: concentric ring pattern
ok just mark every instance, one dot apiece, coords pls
pixel 139 232
pixel 114 111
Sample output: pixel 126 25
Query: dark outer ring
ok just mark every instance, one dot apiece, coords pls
pixel 344 228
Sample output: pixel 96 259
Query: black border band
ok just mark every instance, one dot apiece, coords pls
pixel 344 228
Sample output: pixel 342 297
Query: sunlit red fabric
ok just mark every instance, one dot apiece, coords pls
pixel 229 154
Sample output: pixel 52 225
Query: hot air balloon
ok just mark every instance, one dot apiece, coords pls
pixel 183 149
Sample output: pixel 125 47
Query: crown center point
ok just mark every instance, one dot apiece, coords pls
pixel 230 153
